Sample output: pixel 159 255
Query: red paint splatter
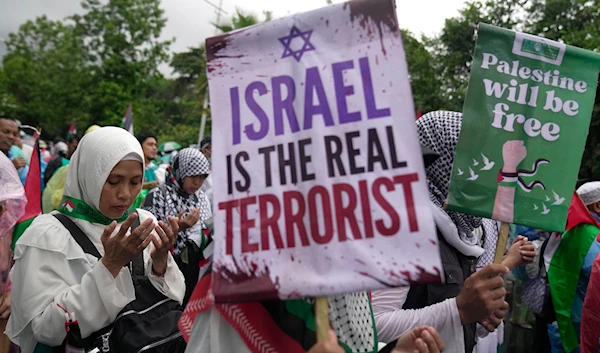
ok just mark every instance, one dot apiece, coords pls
pixel 376 60
pixel 229 286
pixel 360 262
pixel 418 245
pixel 380 16
pixel 433 241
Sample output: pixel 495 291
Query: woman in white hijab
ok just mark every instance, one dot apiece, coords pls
pixel 52 271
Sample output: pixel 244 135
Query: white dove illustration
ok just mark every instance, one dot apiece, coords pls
pixel 535 207
pixel 547 198
pixel 473 175
pixel 546 209
pixel 475 162
pixel 460 172
pixel 488 165
pixel 558 200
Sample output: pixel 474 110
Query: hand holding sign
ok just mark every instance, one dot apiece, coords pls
pixel 482 294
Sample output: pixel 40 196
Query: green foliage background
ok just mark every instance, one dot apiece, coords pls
pixel 88 68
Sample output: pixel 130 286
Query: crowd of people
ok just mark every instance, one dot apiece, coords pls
pixel 126 236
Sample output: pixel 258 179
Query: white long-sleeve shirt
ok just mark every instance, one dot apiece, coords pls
pixel 51 268
pixel 392 321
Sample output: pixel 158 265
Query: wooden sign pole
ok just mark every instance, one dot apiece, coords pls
pixel 322 319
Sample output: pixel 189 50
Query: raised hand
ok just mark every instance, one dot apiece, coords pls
pixel 513 153
pixel 520 253
pixel 331 346
pixel 495 319
pixel 5 306
pixel 120 249
pixel 150 185
pixel 190 220
pixel 482 294
pixel 19 162
pixel 424 339
pixel 167 236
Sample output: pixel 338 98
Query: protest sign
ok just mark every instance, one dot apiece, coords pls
pixel 525 123
pixel 321 188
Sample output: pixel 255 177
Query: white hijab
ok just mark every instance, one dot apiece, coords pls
pixel 97 154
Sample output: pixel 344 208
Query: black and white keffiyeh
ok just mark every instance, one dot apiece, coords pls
pixel 169 199
pixel 439 132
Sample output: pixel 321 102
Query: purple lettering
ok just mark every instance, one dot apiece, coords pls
pixel 314 85
pixel 372 111
pixel 341 91
pixel 234 94
pixel 287 104
pixel 252 134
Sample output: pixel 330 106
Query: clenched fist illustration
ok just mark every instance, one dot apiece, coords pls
pixel 513 153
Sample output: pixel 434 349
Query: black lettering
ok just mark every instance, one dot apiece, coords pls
pixel 353 153
pixel 238 164
pixel 229 176
pixel 266 151
pixel 375 152
pixel 334 156
pixel 392 146
pixel 304 160
pixel 290 162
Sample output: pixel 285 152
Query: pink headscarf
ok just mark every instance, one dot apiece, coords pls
pixel 12 195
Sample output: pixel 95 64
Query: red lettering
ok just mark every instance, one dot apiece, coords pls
pixel 247 223
pixel 269 222
pixel 345 213
pixel 406 181
pixel 326 216
pixel 366 208
pixel 294 219
pixel 228 206
pixel 379 224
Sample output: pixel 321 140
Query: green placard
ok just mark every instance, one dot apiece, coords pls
pixel 525 123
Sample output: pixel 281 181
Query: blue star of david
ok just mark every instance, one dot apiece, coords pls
pixel 287 41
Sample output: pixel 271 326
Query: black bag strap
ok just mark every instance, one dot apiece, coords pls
pixel 79 236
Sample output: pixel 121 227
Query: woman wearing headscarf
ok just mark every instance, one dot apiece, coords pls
pixel 12 207
pixel 453 308
pixel 51 270
pixel 180 196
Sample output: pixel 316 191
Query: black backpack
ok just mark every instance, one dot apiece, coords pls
pixel 147 324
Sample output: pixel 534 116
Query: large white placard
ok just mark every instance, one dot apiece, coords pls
pixel 319 185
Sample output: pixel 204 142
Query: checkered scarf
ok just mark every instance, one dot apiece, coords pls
pixel 439 131
pixel 188 162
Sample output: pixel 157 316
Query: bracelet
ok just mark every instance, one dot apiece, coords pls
pixel 507 179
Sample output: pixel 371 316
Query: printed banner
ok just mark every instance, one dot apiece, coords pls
pixel 321 187
pixel 525 123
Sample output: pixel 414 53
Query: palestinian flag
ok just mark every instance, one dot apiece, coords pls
pixel 127 123
pixel 565 267
pixel 33 192
pixel 282 326
pixel 419 114
pixel 72 131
